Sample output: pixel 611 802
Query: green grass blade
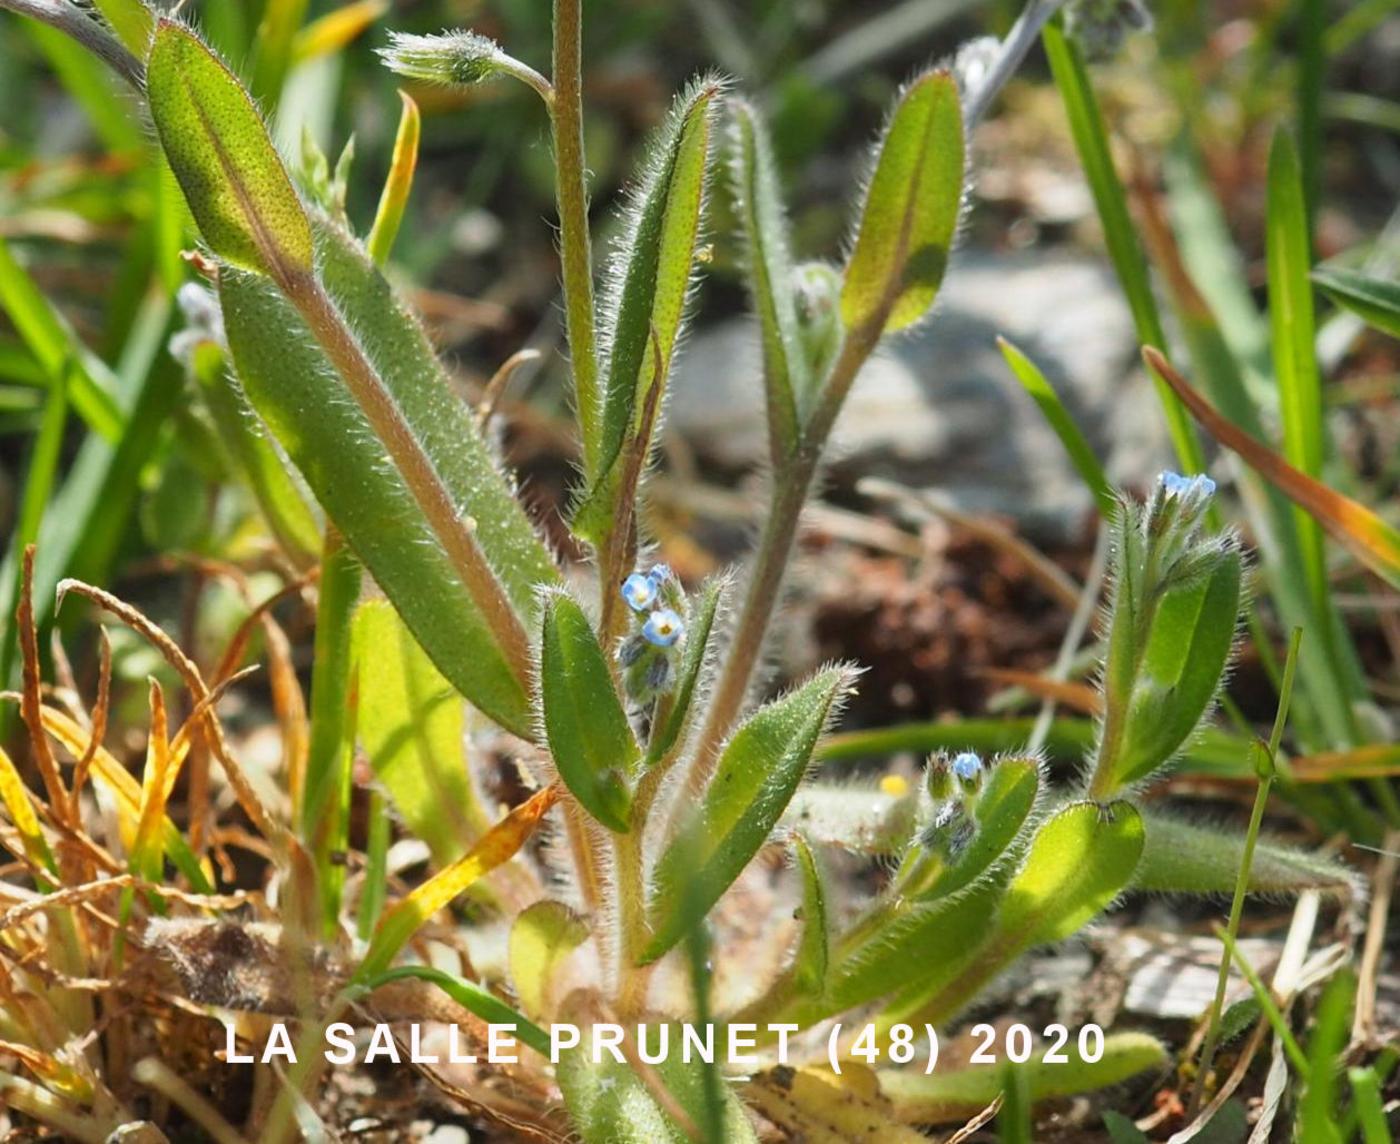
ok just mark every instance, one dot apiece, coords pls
pixel 1081 453
pixel 1091 141
pixel 471 997
pixel 1294 341
pixel 55 347
pixel 1374 300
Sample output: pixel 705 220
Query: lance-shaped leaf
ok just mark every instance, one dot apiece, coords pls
pixel 758 772
pixel 677 715
pixel 1367 536
pixel 1179 669
pixel 373 488
pixel 1373 300
pixel 651 276
pixel 584 723
pixel 916 953
pixel 770 278
pixel 1188 858
pixel 232 177
pixel 813 949
pixel 910 213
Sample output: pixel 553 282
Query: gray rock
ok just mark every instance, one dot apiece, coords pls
pixel 939 409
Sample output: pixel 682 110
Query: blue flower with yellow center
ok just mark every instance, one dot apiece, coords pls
pixel 639 591
pixel 663 628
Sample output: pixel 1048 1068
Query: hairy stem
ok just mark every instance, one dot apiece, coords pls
pixel 791 486
pixel 575 245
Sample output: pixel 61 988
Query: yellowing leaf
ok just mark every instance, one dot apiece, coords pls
pixel 498 845
pixel 1369 538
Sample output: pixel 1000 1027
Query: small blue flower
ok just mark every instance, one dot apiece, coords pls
pixel 967 766
pixel 663 628
pixel 639 591
pixel 1174 484
pixel 660 575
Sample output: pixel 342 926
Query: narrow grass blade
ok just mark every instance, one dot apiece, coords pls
pixel 398 185
pixel 1369 538
pixel 1091 141
pixel 1327 1042
pixel 407 917
pixel 1081 453
pixel 273 48
pixel 1374 300
pixel 471 997
pixel 324 816
pixel 132 21
pixel 55 347
pixel 1294 338
pixel 910 212
pixel 18 802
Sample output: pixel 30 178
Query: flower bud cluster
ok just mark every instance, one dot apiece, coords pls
pixel 953 786
pixel 649 653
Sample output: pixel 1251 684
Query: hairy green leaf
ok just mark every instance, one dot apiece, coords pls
pixel 757 774
pixel 295 387
pixel 770 277
pixel 232 176
pixel 1004 808
pixel 910 212
pixel 587 730
pixel 1179 669
pixel 1374 300
pixel 651 281
pixel 1185 857
pixel 1080 860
